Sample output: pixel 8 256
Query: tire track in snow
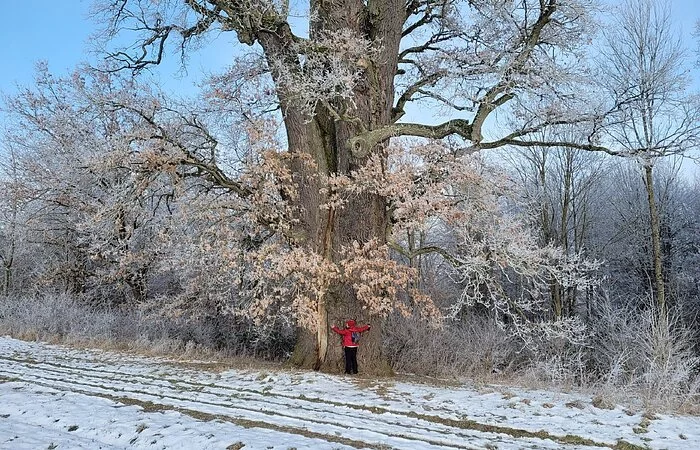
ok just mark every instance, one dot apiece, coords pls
pixel 266 398
pixel 266 409
pixel 258 411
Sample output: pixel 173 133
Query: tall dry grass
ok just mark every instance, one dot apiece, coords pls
pixel 60 318
pixel 630 355
pixel 643 353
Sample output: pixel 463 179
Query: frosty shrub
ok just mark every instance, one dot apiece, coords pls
pixel 474 347
pixel 639 349
pixel 61 318
pixel 554 353
pixel 564 366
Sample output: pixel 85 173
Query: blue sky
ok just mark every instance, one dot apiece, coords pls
pixel 59 31
pixel 34 30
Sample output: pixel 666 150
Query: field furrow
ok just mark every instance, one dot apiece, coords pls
pixel 341 411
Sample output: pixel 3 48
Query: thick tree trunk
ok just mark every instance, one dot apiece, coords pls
pixel 364 218
pixel 655 241
pixel 6 280
pixel 7 262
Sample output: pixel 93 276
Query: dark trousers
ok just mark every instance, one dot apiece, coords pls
pixel 350 359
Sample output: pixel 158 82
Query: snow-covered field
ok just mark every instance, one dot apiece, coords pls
pixel 54 397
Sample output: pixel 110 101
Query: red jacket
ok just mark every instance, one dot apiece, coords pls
pixel 348 331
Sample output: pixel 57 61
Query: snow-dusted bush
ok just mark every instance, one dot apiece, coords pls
pixel 639 349
pixel 478 347
pixel 61 318
pixel 565 367
pixel 474 347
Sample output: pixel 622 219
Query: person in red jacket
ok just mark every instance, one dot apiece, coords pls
pixel 351 339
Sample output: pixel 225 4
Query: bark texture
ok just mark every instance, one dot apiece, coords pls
pixel 365 217
pixel 655 226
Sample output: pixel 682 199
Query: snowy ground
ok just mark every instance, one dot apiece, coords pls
pixel 53 397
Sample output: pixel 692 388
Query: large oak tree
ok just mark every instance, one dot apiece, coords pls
pixel 344 74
